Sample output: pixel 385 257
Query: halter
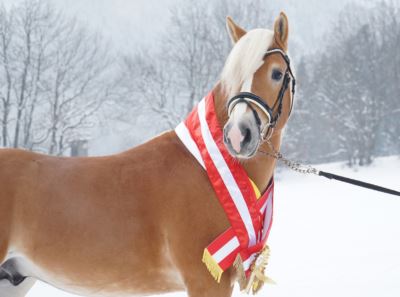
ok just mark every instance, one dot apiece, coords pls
pixel 250 98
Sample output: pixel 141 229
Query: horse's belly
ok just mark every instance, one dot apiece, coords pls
pixel 103 282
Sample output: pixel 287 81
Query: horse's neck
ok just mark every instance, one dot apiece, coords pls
pixel 260 168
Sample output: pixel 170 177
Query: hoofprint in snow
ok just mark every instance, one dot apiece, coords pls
pixel 329 238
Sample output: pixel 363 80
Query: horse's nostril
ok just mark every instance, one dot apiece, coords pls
pixel 247 135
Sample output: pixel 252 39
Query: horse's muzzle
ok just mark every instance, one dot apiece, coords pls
pixel 242 139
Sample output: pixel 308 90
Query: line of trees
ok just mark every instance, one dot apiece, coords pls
pixel 348 101
pixel 55 77
pixel 52 77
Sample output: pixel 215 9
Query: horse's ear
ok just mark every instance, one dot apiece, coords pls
pixel 235 31
pixel 281 30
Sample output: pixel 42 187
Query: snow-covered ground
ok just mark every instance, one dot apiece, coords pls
pixel 329 239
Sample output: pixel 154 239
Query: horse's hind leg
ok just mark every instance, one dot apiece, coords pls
pixel 12 283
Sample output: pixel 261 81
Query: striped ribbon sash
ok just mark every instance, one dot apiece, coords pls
pixel 249 213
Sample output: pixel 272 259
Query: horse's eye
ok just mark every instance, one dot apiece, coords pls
pixel 276 75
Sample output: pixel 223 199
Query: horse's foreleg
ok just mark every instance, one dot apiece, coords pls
pixel 7 289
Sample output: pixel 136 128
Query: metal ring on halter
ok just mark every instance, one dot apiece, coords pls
pixel 266 132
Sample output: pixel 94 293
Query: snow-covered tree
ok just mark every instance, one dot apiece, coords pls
pixel 351 92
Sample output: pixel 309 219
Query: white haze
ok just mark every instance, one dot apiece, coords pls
pixel 130 25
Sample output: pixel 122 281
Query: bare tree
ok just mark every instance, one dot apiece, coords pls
pixel 77 89
pixel 34 25
pixel 53 78
pixel 189 59
pixel 6 78
pixel 152 86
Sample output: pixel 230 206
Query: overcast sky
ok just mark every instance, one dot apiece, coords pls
pixel 124 22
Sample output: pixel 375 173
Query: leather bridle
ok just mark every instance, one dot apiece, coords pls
pixel 253 100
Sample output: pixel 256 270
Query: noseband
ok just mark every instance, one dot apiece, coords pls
pixel 252 99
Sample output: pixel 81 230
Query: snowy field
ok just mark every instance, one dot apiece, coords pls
pixel 329 239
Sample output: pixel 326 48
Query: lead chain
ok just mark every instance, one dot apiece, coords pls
pixel 294 165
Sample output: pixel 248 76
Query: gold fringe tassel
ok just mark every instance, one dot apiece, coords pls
pixel 212 266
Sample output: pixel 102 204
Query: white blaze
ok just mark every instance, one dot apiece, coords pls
pixel 235 135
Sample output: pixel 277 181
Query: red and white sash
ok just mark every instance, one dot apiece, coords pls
pixel 249 214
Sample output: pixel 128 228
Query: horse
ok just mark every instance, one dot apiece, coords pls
pixel 136 223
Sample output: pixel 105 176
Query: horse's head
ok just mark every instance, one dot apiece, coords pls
pixel 259 82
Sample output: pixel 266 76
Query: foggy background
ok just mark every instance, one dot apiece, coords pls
pixel 102 76
pixel 95 77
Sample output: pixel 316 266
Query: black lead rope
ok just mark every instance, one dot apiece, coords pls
pixel 358 183
pixel 298 167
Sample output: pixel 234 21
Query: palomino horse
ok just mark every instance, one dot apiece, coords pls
pixel 136 223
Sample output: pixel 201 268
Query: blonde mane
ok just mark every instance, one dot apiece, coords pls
pixel 245 58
